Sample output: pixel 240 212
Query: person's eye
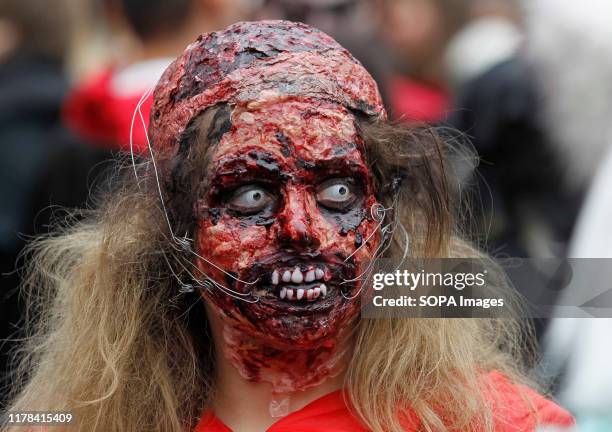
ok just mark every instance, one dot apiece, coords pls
pixel 336 194
pixel 250 199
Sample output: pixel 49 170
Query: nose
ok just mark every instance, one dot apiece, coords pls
pixel 295 221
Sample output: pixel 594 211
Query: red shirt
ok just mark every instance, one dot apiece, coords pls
pixel 97 114
pixel 415 101
pixel 518 409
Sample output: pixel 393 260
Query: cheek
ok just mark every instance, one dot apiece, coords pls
pixel 346 233
pixel 231 245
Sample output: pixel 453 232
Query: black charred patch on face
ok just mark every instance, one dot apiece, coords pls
pixel 225 180
pixel 266 219
pixel 220 124
pixel 287 147
pixel 358 239
pixel 250 54
pixel 348 221
pixel 234 170
pixel 343 149
pixel 230 279
pixel 339 166
pixel 301 163
pixel 265 160
pixel 363 106
pixel 214 214
pixel 187 139
pixel 341 256
pixel 340 151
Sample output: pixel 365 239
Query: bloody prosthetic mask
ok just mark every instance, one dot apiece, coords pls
pixel 284 229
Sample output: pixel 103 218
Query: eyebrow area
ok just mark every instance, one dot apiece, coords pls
pixel 257 165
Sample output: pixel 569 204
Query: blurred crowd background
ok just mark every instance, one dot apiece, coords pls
pixel 527 83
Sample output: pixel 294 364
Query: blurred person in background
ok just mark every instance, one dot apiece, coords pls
pixel 492 33
pixel 100 108
pixel 32 84
pixel 523 208
pixel 522 205
pixel 572 49
pixel 41 164
pixel 418 32
pixel 577 350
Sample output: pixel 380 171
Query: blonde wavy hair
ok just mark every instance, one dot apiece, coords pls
pixel 111 338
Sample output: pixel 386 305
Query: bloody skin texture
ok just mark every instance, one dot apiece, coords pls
pixel 290 150
pixel 293 152
pixel 251 61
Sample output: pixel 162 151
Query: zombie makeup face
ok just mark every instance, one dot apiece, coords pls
pixel 285 221
pixel 287 203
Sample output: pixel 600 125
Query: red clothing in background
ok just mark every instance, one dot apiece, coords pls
pixel 96 114
pixel 101 108
pixel 518 409
pixel 416 101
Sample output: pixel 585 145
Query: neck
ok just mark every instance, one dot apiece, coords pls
pixel 244 405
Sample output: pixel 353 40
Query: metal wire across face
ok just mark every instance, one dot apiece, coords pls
pixel 387 231
pixel 183 244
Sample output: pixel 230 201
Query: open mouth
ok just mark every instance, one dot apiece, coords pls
pixel 297 284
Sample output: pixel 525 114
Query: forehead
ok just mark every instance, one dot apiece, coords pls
pixel 292 129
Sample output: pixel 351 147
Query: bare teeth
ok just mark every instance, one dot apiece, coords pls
pixel 296 276
pixel 300 293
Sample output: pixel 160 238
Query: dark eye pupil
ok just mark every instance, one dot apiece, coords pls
pixel 342 190
pixel 257 196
